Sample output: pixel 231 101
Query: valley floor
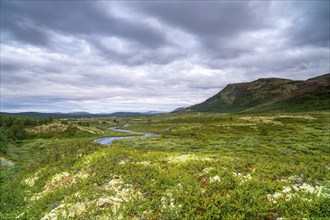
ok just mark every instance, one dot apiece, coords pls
pixel 202 166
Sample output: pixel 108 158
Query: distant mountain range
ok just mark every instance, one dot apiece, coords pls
pixel 262 95
pixel 270 94
pixel 81 114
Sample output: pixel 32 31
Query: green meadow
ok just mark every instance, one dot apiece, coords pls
pixel 202 166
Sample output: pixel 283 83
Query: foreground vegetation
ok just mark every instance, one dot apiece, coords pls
pixel 202 166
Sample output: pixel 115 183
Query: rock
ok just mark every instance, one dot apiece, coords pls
pixel 6 163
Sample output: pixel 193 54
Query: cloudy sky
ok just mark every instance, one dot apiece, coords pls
pixel 107 56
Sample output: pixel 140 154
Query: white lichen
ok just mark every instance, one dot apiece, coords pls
pixel 242 178
pixel 6 163
pixel 145 163
pixel 215 178
pixel 58 180
pixel 299 191
pixel 122 162
pixel 121 193
pixel 59 177
pixel 185 158
pixel 54 214
pixel 168 200
pixel 207 170
pixel 32 180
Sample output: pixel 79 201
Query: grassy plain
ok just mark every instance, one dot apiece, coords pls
pixel 202 166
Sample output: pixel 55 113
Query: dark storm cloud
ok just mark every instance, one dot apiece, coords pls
pixel 310 26
pixel 17 29
pixel 213 19
pixel 25 20
pixel 212 23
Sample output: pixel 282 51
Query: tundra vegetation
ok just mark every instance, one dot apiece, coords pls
pixel 202 166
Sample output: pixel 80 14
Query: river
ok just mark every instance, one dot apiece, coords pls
pixel 108 140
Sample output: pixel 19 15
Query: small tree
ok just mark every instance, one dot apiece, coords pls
pixel 3 140
pixel 50 119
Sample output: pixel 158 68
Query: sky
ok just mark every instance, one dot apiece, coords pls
pixel 108 56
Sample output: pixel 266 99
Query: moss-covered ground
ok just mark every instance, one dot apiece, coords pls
pixel 202 166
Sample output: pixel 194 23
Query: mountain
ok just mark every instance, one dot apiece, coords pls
pixel 125 114
pixel 76 113
pixel 38 114
pixel 180 109
pixel 58 115
pixel 270 94
pixel 153 113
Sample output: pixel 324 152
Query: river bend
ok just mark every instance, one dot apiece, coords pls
pixel 108 140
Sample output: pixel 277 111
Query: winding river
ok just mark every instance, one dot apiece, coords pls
pixel 108 140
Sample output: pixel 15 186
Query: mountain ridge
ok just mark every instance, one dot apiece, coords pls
pixel 270 94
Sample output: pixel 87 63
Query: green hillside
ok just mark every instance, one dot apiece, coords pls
pixel 270 94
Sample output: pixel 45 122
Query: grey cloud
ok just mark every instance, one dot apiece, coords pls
pixel 17 29
pixel 279 62
pixel 77 18
pixel 141 57
pixel 217 24
pixel 213 19
pixel 14 77
pixel 137 55
pixel 8 68
pixel 310 26
pixel 161 56
pixel 212 23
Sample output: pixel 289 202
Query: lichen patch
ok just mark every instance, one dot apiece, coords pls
pixel 185 158
pixel 298 190
pixel 59 180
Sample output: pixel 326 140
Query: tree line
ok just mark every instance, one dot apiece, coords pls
pixel 13 129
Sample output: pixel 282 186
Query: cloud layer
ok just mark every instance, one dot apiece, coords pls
pixel 139 56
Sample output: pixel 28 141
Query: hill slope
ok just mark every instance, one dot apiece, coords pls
pixel 270 94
